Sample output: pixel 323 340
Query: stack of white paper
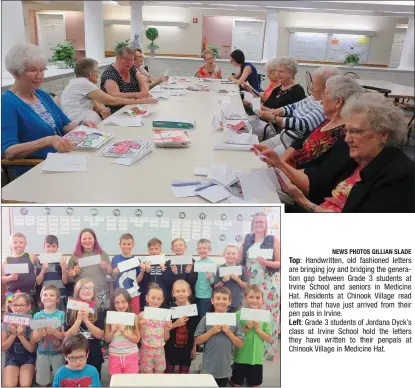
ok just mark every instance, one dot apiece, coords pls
pixel 184 189
pixel 259 182
pixel 232 137
pixel 221 174
pixel 64 162
pixel 214 193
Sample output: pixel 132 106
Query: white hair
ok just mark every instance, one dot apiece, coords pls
pixel 22 54
pixel 344 87
pixel 326 72
pixel 290 64
pixel 380 115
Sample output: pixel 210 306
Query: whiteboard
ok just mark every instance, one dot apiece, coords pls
pixel 342 45
pixel 221 225
pixel 308 45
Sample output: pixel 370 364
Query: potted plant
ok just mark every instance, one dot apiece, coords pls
pixel 215 50
pixel 123 43
pixel 352 60
pixel 152 34
pixel 63 55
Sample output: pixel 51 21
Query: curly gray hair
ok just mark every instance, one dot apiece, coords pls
pixel 22 54
pixel 290 64
pixel 380 115
pixel 344 87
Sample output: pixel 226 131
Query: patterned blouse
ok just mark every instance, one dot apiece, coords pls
pixel 153 336
pixel 318 143
pixel 144 73
pixel 40 109
pixel 203 73
pixel 111 73
pixel 341 192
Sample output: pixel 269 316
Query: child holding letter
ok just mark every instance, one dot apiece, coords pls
pixel 205 280
pixel 236 283
pixel 248 361
pixel 123 340
pixel 76 373
pixel 153 272
pixel 20 355
pixel 49 339
pixel 89 324
pixel 87 245
pixel 22 282
pixel 180 347
pixel 153 335
pixel 54 274
pixel 219 340
pixel 128 279
pixel 176 272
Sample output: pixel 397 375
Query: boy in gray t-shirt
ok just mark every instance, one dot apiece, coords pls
pixel 219 340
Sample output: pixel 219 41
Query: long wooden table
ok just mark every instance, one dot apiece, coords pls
pixel 397 90
pixel 149 180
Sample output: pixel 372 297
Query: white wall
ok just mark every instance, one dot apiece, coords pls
pixel 172 40
pixel 380 44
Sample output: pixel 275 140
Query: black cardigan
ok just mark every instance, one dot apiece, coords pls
pixel 279 98
pixel 387 183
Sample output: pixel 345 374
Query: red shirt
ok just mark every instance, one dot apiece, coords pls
pixel 203 73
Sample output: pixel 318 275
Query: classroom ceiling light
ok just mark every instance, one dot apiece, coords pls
pixel 236 5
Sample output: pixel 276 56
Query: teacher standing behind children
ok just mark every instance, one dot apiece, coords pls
pixel 264 273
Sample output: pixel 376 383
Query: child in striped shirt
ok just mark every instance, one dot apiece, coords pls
pixel 123 340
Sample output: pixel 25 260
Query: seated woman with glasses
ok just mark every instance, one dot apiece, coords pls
pixel 364 173
pixel 209 69
pixel 121 79
pixel 149 82
pixel 82 100
pixel 285 89
pixel 32 124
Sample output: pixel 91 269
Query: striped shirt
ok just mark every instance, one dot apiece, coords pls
pixel 121 346
pixel 302 117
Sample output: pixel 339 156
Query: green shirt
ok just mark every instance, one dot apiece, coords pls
pixel 203 286
pixel 252 351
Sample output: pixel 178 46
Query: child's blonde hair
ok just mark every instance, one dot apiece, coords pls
pixel 17 296
pixel 178 239
pixel 17 234
pixel 230 246
pixel 253 288
pixel 205 241
pixel 74 313
pixel 181 281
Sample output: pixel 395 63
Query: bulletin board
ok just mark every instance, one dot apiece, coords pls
pixel 342 45
pixel 221 225
pixel 308 46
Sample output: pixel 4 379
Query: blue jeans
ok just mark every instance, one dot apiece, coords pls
pixel 203 306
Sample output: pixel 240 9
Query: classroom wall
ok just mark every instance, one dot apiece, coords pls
pixel 380 44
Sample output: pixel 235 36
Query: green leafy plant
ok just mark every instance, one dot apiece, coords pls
pixel 152 34
pixel 352 59
pixel 65 53
pixel 215 50
pixel 123 43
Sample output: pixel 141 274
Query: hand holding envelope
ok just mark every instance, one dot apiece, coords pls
pixel 88 261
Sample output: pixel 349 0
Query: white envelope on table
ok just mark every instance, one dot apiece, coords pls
pixel 157 314
pixel 39 323
pixel 129 264
pixel 267 254
pixel 16 268
pixel 154 259
pixel 50 257
pixel 255 315
pixel 189 310
pixel 88 261
pixel 258 183
pixel 200 266
pixel 181 260
pixel 221 319
pixel 133 121
pixel 115 317
pixel 232 270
